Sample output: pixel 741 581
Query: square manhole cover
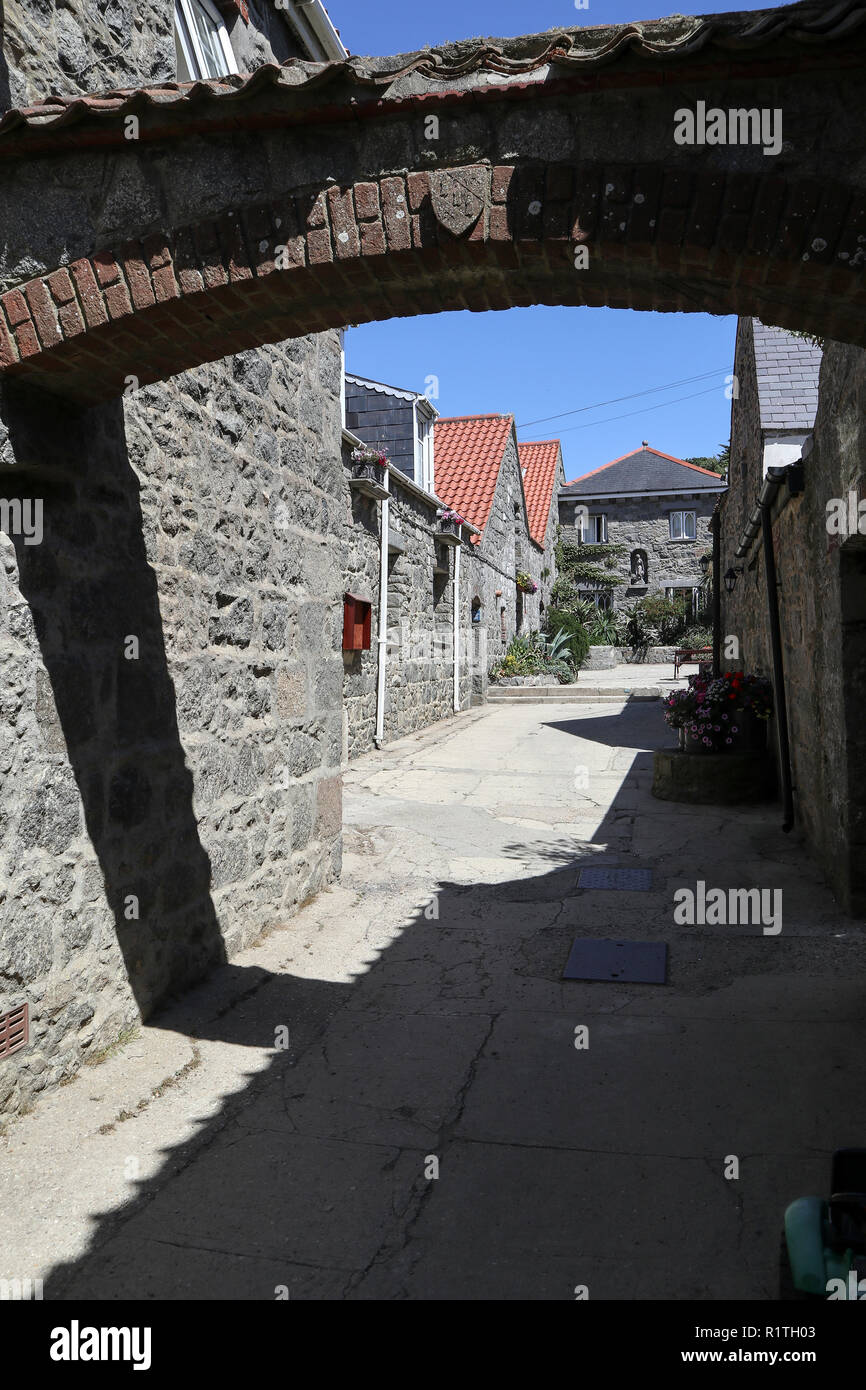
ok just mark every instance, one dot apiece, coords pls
pixel 637 880
pixel 633 962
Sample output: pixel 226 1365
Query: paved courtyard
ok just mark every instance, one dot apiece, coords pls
pixel 431 1130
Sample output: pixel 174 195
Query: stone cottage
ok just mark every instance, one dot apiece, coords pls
pixel 171 650
pixel 479 475
pixel 543 478
pixel 793 553
pixel 657 507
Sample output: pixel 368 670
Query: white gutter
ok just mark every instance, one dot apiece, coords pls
pixel 457 550
pixel 384 520
pixel 313 16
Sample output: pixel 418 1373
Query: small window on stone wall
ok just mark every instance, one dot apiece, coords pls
pixel 475 609
pixel 682 526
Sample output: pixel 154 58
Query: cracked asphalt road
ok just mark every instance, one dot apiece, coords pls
pixel 431 1131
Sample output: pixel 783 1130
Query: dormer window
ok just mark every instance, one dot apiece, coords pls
pixel 201 42
pixel 424 475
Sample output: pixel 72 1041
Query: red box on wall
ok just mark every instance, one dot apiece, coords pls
pixel 357 616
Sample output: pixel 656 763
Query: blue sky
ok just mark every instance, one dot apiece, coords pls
pixel 543 361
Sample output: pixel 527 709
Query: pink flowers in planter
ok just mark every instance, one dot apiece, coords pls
pixel 446 514
pixel 367 454
pixel 704 711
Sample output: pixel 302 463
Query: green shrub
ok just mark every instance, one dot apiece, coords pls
pixel 535 655
pixel 657 621
pixel 557 620
pixel 605 629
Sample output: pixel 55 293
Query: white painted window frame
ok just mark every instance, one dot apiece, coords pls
pixel 672 590
pixel 188 39
pixel 423 430
pixel 682 516
pixel 597 522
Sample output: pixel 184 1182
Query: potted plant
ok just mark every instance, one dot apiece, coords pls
pixel 449 525
pixel 525 583
pixel 369 468
pixel 728 714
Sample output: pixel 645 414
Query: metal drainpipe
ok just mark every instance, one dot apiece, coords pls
pixel 778 670
pixel 382 643
pixel 715 527
pixel 456 620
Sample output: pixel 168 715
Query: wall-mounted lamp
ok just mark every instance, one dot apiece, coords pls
pixel 731 578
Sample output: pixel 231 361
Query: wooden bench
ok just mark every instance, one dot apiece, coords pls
pixel 690 656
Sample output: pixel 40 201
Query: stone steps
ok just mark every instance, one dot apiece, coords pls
pixel 570 694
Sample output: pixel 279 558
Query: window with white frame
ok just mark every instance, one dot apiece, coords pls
pixel 595 529
pixel 201 41
pixel 423 449
pixel 683 526
pixel 691 594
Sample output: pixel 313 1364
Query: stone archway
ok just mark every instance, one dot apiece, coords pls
pixel 226 215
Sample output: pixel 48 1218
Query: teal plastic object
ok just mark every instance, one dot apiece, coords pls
pixel 804 1233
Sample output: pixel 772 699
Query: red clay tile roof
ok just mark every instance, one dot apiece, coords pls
pixel 468 452
pixel 540 461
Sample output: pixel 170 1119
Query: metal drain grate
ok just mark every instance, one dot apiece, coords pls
pixel 14 1029
pixel 633 962
pixel 635 880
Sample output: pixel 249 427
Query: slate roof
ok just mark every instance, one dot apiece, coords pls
pixel 383 389
pixel 643 470
pixel 787 369
pixel 469 450
pixel 539 462
pixel 297 87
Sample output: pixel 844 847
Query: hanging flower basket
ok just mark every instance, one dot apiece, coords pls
pixel 525 583
pixel 368 472
pixel 727 715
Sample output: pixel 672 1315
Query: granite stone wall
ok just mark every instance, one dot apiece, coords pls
pixel 420 667
pixel 505 548
pixel 822 598
pixel 170 759
pixel 170 649
pixel 97 45
pixel 83 46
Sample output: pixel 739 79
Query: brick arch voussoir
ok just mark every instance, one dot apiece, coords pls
pixel 480 236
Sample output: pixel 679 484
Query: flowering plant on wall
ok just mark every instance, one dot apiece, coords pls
pixel 365 453
pixel 525 582
pixel 446 514
pixel 711 710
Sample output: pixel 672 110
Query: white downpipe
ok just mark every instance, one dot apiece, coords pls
pixel 382 643
pixel 457 549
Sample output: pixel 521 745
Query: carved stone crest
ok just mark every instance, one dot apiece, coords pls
pixel 458 197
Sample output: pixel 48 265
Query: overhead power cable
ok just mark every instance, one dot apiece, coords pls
pixel 686 381
pixel 627 414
